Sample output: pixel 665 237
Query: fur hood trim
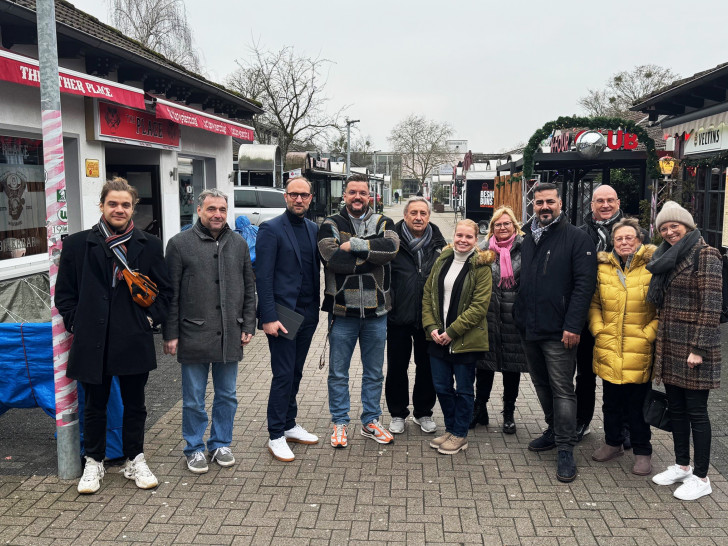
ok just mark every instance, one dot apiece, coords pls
pixel 480 257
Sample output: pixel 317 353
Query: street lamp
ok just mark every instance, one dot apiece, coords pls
pixel 349 123
pixel 376 181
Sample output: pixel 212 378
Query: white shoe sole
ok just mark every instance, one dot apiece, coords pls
pixel 198 470
pixel 417 422
pixel 88 490
pixel 373 437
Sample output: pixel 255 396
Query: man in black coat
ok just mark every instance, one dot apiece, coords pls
pixel 420 245
pixel 558 278
pixel 112 335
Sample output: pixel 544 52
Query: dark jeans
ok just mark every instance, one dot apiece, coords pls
pixel 552 372
pixel 689 411
pixel 625 402
pixel 586 379
pixel 96 398
pixel 456 405
pixel 400 341
pixel 287 357
pixel 484 384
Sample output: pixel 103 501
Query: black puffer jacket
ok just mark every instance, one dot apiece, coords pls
pixel 558 279
pixel 505 352
pixel 408 279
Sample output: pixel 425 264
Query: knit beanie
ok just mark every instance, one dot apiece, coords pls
pixel 672 212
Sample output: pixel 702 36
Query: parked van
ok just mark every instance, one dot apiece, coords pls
pixel 258 203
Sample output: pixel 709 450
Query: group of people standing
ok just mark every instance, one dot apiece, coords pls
pixel 522 300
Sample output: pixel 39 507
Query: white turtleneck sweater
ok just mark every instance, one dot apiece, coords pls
pixel 456 267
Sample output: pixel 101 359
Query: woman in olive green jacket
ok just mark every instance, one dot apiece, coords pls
pixel 454 310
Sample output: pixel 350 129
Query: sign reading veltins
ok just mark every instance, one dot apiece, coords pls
pixel 707 140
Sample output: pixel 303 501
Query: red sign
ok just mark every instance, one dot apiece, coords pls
pixel 561 143
pixel 617 140
pixel 138 126
pixel 200 120
pixel 23 70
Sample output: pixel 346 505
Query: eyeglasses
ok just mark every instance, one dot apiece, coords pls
pixel 295 195
pixel 610 201
pixel 625 239
pixel 503 225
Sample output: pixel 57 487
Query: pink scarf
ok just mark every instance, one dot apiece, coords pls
pixel 503 249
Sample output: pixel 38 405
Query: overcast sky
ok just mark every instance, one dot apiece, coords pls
pixel 496 71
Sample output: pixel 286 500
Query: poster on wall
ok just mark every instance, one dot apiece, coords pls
pixel 22 211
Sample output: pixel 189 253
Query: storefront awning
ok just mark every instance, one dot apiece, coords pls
pixel 24 70
pixel 200 120
pixel 701 124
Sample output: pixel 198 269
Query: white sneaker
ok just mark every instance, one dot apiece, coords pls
pixel 300 435
pixel 138 471
pixel 693 488
pixel 280 450
pixel 396 425
pixel 93 474
pixel 673 474
pixel 427 424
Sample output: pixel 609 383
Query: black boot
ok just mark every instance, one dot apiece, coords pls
pixel 480 413
pixel 509 424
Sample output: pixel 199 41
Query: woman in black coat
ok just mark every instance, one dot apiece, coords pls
pixel 506 353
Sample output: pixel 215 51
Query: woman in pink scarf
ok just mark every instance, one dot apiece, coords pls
pixel 505 354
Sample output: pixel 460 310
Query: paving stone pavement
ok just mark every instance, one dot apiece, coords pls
pixel 497 492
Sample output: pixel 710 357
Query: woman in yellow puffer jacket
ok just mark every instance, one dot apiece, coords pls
pixel 624 326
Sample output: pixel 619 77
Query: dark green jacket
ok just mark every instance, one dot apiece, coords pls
pixel 469 332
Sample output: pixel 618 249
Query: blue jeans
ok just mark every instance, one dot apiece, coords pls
pixel 552 367
pixel 372 336
pixel 224 405
pixel 457 397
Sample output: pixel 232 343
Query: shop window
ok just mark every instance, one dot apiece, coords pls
pixel 22 198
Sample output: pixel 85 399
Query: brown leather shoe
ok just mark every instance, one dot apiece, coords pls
pixel 452 445
pixel 642 465
pixel 437 442
pixel 607 453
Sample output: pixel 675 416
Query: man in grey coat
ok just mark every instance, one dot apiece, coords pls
pixel 212 316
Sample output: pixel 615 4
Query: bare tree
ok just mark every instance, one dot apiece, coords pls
pixel 421 144
pixel 291 89
pixel 624 88
pixel 160 25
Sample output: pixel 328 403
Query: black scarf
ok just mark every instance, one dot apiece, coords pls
pixel 604 230
pixel 663 262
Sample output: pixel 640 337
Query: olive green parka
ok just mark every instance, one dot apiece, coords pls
pixel 469 332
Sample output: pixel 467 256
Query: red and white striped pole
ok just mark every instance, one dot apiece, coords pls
pixel 67 425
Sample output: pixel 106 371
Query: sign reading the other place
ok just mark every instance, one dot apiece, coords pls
pixel 138 127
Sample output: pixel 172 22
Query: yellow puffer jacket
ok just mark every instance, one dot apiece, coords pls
pixel 624 325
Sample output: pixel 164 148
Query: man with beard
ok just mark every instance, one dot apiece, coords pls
pixel 558 278
pixel 287 275
pixel 357 246
pixel 420 245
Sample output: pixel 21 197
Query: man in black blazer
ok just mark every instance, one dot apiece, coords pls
pixel 112 335
pixel 287 274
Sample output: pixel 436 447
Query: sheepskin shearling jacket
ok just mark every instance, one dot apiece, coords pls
pixel 622 322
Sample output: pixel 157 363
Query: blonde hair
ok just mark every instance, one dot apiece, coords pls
pixel 466 222
pixel 500 211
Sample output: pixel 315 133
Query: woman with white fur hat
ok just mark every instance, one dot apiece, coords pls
pixel 686 289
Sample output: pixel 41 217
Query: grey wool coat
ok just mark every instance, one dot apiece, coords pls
pixel 214 295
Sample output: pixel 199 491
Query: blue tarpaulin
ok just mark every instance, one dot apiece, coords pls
pixel 26 378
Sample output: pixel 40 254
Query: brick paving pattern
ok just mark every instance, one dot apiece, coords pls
pixel 497 492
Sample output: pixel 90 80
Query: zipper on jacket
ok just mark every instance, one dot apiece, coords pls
pixel 546 261
pixel 361 297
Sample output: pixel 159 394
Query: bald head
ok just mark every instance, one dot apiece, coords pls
pixel 605 202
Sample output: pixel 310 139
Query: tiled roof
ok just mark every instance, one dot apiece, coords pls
pixel 67 15
pixel 677 83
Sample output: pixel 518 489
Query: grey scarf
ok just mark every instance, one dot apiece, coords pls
pixel 416 244
pixel 663 262
pixel 537 230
